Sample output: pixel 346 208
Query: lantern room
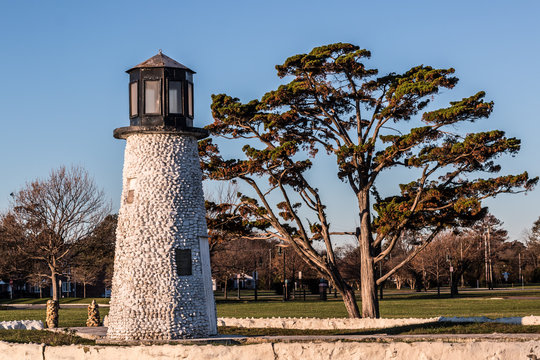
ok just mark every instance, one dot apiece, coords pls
pixel 161 94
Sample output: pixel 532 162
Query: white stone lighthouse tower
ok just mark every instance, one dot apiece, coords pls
pixel 162 286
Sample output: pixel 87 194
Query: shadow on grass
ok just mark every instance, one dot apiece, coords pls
pixel 268 300
pixel 464 293
pixel 43 337
pixel 416 329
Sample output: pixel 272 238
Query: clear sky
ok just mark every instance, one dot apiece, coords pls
pixel 63 88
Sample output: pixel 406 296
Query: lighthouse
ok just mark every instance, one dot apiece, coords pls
pixel 162 286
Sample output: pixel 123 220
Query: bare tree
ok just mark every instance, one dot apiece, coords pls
pixel 55 213
pixel 532 239
pixel 14 266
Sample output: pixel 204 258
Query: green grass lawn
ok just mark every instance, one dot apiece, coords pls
pixel 66 317
pixel 396 304
pixel 43 337
pixel 432 328
pixel 66 338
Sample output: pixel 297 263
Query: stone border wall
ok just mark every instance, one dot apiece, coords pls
pixel 345 323
pixel 471 350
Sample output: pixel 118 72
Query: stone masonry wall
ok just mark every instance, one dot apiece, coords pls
pixel 164 212
pixel 319 350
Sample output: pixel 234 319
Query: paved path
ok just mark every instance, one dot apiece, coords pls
pixel 43 306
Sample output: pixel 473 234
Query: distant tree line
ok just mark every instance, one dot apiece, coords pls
pixel 478 256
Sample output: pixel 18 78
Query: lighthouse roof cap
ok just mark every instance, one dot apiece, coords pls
pixel 161 60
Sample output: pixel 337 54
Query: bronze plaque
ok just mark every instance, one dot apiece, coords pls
pixel 183 261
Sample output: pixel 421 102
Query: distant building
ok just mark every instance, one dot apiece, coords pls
pixel 246 281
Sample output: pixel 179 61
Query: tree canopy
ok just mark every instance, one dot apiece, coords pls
pixel 335 104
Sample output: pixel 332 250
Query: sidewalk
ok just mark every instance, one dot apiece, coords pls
pixel 43 306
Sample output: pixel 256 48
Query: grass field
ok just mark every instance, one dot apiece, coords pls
pixel 42 337
pixel 396 304
pixel 66 317
pixel 493 304
pixel 67 338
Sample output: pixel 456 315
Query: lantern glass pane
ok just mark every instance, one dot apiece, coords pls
pixel 152 98
pixel 175 97
pixel 190 99
pixel 133 99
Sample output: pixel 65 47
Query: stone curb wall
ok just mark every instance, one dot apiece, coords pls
pixel 345 323
pixel 472 350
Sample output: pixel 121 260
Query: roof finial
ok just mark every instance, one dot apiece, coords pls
pixel 160 53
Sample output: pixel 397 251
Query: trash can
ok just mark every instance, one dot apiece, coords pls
pixel 322 289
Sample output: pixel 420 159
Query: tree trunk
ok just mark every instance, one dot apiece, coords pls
pixel 54 282
pixel 370 303
pixel 399 282
pixel 350 303
pixel 84 290
pixel 347 293
pixel 455 284
pixel 454 288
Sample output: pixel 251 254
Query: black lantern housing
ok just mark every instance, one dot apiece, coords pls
pixel 160 98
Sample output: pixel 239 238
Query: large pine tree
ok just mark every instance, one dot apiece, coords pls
pixel 334 105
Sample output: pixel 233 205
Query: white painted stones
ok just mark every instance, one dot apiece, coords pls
pixel 22 325
pixel 346 323
pixel 162 286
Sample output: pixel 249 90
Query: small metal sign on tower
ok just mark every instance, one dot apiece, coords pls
pixel 162 286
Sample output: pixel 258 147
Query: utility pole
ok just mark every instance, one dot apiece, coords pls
pixel 285 287
pixel 489 258
pixel 238 285
pixel 451 278
pixel 281 251
pixel 302 284
pixel 486 259
pixel 461 259
pixel 438 283
pixel 255 277
pixel 269 268
pixel 520 273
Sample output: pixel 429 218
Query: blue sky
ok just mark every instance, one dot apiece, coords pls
pixel 64 89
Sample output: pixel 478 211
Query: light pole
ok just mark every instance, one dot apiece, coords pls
pixel 269 268
pixel 449 259
pixel 301 284
pixel 520 273
pixel 256 261
pixel 238 285
pixel 281 251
